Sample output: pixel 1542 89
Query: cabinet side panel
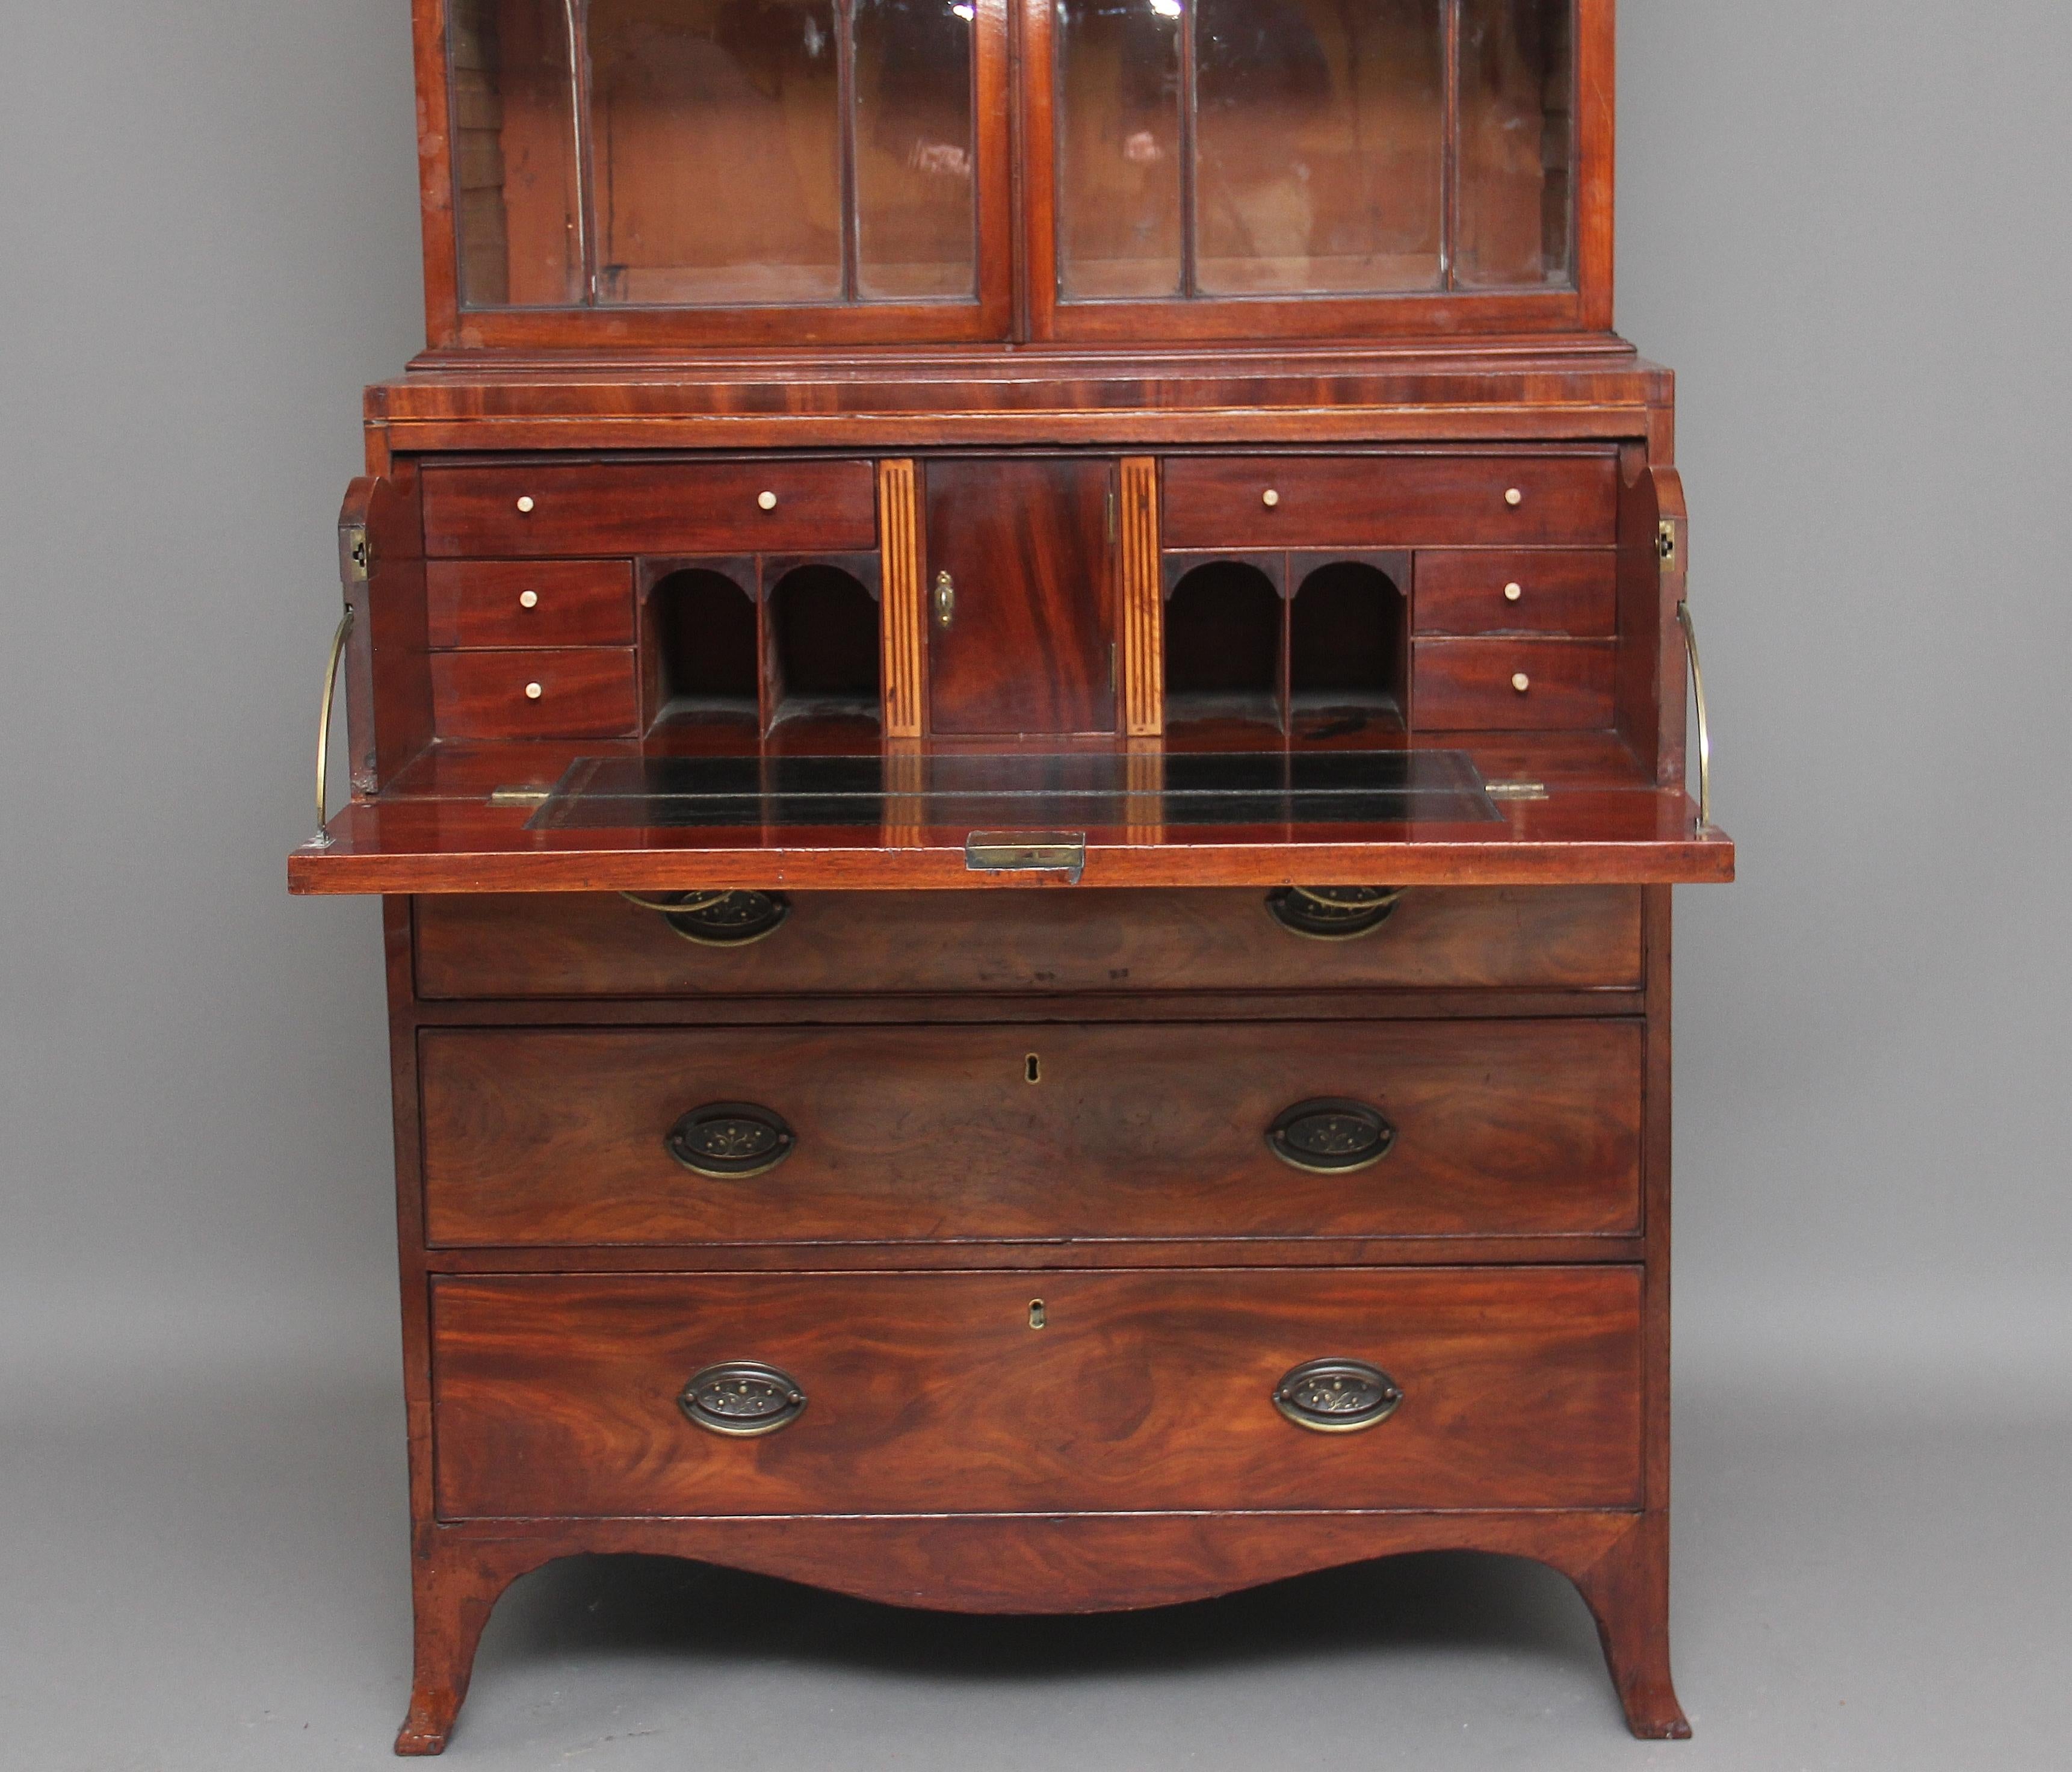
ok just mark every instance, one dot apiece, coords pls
pixel 1650 692
pixel 388 692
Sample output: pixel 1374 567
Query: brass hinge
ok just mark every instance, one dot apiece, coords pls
pixel 356 557
pixel 1035 852
pixel 1665 544
pixel 1515 790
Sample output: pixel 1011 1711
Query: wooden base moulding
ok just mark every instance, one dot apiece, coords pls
pixel 1056 1564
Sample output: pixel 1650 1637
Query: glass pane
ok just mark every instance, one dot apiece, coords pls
pixel 516 201
pixel 1319 131
pixel 1118 91
pixel 716 151
pixel 1020 790
pixel 915 235
pixel 1517 142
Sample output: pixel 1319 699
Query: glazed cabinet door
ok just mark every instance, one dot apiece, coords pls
pixel 1021 597
pixel 1253 168
pixel 826 170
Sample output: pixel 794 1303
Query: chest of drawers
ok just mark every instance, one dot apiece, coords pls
pixel 1000 1251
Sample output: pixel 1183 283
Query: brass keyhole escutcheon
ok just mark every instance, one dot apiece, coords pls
pixel 1038 1317
pixel 1032 1072
pixel 946 599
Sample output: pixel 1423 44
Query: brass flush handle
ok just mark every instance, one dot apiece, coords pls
pixel 1337 1395
pixel 730 1141
pixel 1330 1137
pixel 742 1399
pixel 946 599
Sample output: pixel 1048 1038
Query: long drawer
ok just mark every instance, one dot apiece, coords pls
pixel 1310 502
pixel 1167 1131
pixel 565 944
pixel 902 1393
pixel 547 510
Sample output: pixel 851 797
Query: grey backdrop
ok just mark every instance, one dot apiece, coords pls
pixel 1844 224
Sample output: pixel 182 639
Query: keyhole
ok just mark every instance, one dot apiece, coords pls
pixel 1038 1317
pixel 1034 1073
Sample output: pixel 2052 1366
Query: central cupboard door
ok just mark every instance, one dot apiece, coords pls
pixel 1021 599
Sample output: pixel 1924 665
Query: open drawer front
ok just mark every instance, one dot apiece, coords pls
pixel 516 817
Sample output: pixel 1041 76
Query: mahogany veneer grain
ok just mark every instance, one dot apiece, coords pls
pixel 1091 940
pixel 932 1393
pixel 1501 1128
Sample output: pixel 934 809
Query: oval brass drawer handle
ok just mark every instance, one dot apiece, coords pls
pixel 717 919
pixel 1337 1395
pixel 1330 1137
pixel 730 1141
pixel 1333 913
pixel 742 1399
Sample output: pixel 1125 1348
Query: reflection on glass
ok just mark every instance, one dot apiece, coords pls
pixel 1119 148
pixel 914 148
pixel 516 203
pixel 1517 140
pixel 1321 125
pixel 715 131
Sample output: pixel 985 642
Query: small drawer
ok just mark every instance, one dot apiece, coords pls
pixel 587 692
pixel 651 509
pixel 1513 685
pixel 536 1136
pixel 1312 502
pixel 1497 591
pixel 530 603
pixel 1105 942
pixel 587 1397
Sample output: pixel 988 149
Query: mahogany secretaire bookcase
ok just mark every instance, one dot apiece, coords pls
pixel 1016 676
